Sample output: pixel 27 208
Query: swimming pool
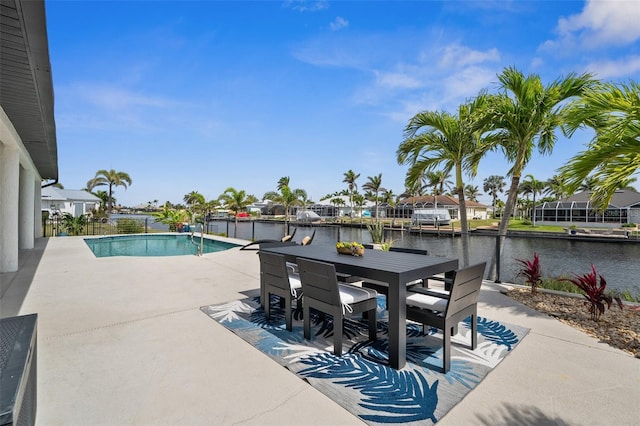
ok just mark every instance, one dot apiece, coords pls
pixel 153 245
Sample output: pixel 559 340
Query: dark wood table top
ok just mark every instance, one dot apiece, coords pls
pixel 379 264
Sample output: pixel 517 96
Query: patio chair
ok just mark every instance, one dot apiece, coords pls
pixel 446 311
pixel 275 278
pixel 285 239
pixel 322 292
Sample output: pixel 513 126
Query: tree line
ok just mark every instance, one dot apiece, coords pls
pixel 523 118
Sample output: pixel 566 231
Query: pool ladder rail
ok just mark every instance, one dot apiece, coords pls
pixel 201 245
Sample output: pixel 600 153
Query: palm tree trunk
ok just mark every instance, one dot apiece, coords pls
pixel 504 222
pixel 464 225
pixel 110 200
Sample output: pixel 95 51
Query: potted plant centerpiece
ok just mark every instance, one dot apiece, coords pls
pixel 352 248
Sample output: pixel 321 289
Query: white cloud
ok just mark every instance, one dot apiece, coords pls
pixel 306 6
pixel 104 106
pixel 615 68
pixel 338 24
pixel 600 23
pixel 537 62
pixel 397 80
pixel 467 82
pixel 117 98
pixel 458 56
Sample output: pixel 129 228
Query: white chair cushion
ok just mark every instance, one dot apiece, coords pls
pixel 424 301
pixel 294 281
pixel 351 294
pixel 440 291
pixel 292 267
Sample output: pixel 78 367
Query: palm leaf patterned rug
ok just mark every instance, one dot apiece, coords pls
pixel 360 380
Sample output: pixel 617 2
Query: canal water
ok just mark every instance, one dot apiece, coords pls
pixel 617 262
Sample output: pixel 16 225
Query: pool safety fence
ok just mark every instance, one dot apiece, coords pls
pixel 61 227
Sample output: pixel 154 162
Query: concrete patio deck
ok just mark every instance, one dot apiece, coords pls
pixel 122 341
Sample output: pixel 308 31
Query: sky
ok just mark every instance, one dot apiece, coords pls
pixel 205 95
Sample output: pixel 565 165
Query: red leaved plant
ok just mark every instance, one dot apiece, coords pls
pixel 531 271
pixel 594 292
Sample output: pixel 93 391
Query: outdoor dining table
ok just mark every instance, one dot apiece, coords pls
pixel 395 268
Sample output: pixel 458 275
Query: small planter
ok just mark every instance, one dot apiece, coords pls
pixel 353 249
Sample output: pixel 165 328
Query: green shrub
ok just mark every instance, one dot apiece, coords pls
pixel 377 232
pixel 559 284
pixel 129 226
pixel 629 225
pixel 73 225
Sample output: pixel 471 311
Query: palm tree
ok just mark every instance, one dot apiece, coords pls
pixel 493 185
pixel 531 185
pixel 111 178
pixel 283 181
pixel 448 141
pixel 350 178
pixel 287 197
pixel 208 208
pixel 613 111
pixel 412 189
pixel 524 116
pixel 374 184
pixel 337 202
pixel 235 201
pixel 555 187
pixel 359 201
pixel 91 184
pixel 589 183
pixel 193 200
pixel 169 216
pixel 389 197
pixel 471 192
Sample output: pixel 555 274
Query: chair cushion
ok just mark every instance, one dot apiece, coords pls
pixel 352 294
pixel 294 281
pixel 295 284
pixel 440 291
pixel 292 267
pixel 424 301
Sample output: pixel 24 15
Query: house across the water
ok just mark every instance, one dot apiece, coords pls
pixel 58 201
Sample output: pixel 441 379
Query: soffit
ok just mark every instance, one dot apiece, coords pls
pixel 26 85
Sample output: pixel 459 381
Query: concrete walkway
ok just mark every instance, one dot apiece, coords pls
pixel 122 341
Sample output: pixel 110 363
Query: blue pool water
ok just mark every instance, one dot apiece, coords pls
pixel 153 245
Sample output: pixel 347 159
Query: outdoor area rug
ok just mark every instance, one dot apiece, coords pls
pixel 360 380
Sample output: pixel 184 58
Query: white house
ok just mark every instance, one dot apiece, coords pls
pixel 74 202
pixel 28 147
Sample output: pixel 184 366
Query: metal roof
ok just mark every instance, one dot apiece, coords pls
pixel 620 199
pixel 26 84
pixel 57 194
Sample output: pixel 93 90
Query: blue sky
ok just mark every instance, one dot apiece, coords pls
pixel 202 95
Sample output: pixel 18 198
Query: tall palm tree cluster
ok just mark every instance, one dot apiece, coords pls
pixel 523 116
